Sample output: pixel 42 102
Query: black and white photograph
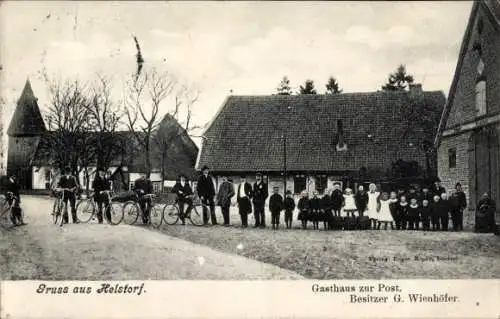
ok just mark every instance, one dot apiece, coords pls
pixel 236 141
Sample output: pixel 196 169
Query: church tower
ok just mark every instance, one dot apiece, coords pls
pixel 25 129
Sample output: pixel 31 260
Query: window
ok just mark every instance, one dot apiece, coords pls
pixel 299 184
pixel 452 157
pixel 47 175
pixel 481 97
pixel 157 187
pixel 321 182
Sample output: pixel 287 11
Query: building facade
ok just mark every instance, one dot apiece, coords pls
pixel 36 166
pixel 469 132
pixel 318 140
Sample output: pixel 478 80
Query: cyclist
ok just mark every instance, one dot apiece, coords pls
pixel 184 196
pixel 70 185
pixel 142 187
pixel 14 199
pixel 101 184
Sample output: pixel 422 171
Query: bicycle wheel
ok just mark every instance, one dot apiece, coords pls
pixel 170 214
pixel 130 213
pixel 57 210
pixel 156 217
pixel 116 212
pixel 85 210
pixel 195 216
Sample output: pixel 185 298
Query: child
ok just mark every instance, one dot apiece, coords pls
pixel 412 194
pixel 328 207
pixel 303 206
pixel 373 202
pixel 275 206
pixel 349 209
pixel 289 207
pixel 425 214
pixel 425 195
pixel 413 214
pixel 337 200
pixel 315 205
pixel 402 213
pixel 435 213
pixel 384 211
pixel 393 205
pixel 443 211
pixel 361 200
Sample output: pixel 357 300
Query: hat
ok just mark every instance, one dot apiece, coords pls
pixel 205 167
pixel 276 187
pixel 259 174
pixel 100 169
pixel 458 184
pixel 288 193
pixel 437 180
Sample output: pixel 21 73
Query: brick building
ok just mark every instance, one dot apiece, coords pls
pixel 36 165
pixel 468 137
pixel 317 140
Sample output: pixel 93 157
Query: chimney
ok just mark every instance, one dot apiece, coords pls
pixel 341 145
pixel 415 88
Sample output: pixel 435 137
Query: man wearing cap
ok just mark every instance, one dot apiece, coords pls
pixel 243 197
pixel 206 191
pixel 437 189
pixel 100 185
pixel 70 184
pixel 260 194
pixel 142 187
pixel 184 196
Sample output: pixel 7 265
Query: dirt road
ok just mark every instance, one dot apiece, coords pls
pixel 44 251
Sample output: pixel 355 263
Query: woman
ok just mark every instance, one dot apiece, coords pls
pixel 485 216
pixel 226 192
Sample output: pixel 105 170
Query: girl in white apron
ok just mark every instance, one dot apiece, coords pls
pixel 384 214
pixel 373 202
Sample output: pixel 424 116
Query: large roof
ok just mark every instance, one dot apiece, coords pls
pixel 27 119
pixel 246 134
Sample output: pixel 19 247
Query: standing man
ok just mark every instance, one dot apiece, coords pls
pixel 260 194
pixel 437 189
pixel 244 204
pixel 142 187
pixel 70 185
pixel 13 187
pixel 226 192
pixel 184 196
pixel 206 191
pixel 463 204
pixel 101 184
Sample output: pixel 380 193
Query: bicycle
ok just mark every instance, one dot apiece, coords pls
pixel 5 208
pixel 59 203
pixel 86 209
pixel 171 213
pixel 132 210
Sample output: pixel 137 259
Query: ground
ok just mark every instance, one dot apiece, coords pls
pixel 42 250
pixel 369 254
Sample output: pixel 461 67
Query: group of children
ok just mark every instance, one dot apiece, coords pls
pixel 371 209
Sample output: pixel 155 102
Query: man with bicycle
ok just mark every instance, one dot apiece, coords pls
pixel 206 191
pixel 13 197
pixel 143 187
pixel 101 185
pixel 184 196
pixel 69 185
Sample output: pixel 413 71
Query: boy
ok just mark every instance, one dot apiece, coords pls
pixel 413 214
pixel 425 212
pixel 337 199
pixel 289 207
pixel 361 199
pixel 443 210
pixel 402 214
pixel 328 207
pixel 425 195
pixel 316 208
pixel 304 208
pixel 275 206
pixel 435 213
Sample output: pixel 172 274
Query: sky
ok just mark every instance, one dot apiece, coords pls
pixel 221 47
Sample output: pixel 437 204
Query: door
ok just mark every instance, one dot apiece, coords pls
pixel 487 164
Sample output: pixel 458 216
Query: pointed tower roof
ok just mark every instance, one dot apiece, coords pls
pixel 27 119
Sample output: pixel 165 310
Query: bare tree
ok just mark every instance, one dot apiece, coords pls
pixel 146 95
pixel 67 141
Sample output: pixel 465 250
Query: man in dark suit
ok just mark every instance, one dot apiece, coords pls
pixel 244 195
pixel 260 194
pixel 100 185
pixel 206 191
pixel 462 199
pixel 13 187
pixel 437 189
pixel 144 186
pixel 184 196
pixel 70 185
